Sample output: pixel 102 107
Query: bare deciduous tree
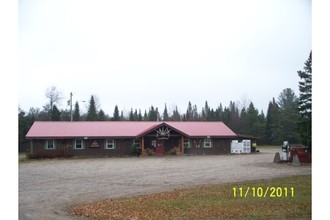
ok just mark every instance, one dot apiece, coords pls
pixel 54 95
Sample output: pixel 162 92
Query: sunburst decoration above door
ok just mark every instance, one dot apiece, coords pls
pixel 163 132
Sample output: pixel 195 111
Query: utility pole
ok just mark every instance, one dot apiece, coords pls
pixel 70 103
pixel 71 116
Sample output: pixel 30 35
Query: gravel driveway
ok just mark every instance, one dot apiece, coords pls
pixel 47 188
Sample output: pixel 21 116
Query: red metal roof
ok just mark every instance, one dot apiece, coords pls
pixel 43 129
pixel 212 129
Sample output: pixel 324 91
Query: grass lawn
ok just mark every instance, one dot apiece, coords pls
pixel 212 202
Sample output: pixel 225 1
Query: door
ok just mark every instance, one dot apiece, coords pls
pixel 160 147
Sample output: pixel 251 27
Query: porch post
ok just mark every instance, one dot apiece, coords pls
pixel 182 145
pixel 142 146
pixel 31 146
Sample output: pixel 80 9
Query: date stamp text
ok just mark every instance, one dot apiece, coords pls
pixel 263 192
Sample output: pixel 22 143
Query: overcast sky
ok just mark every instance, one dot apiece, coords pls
pixel 135 54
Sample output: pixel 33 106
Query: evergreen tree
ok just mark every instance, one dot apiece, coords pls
pixel 305 103
pixel 116 116
pixel 23 126
pixel 289 114
pixel 211 116
pixel 122 118
pixel 206 112
pixel 65 115
pixel 273 128
pixel 226 116
pixel 92 112
pixel 135 116
pixel 195 114
pixel 252 123
pixel 102 116
pixel 234 118
pixel 189 113
pixel 145 116
pixel 262 128
pixel 76 112
pixel 219 113
pixel 165 114
pixel 55 114
pixel 140 118
pixel 131 115
pixel 176 115
pixel 153 114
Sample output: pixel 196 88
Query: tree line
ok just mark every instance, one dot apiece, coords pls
pixel 288 117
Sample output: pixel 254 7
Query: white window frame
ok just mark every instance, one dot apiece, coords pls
pixel 47 144
pixel 207 143
pixel 82 144
pixel 108 142
pixel 186 143
pixel 137 143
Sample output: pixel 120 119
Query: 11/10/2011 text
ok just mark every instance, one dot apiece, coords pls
pixel 262 192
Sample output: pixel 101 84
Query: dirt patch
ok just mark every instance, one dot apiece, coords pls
pixel 48 187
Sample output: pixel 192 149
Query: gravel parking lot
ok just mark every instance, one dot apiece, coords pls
pixel 47 188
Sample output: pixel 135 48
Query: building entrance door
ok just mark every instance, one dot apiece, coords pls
pixel 160 148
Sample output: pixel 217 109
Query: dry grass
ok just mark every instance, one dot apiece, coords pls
pixel 208 202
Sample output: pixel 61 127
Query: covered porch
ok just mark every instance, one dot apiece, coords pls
pixel 162 140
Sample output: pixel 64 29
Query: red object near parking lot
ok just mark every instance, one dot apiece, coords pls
pixel 304 154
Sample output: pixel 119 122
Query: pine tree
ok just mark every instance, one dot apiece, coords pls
pixel 145 116
pixel 206 112
pixel 102 116
pixel 189 113
pixel 252 122
pixel 219 113
pixel 212 115
pixel 262 128
pixel 55 114
pixel 176 115
pixel 23 126
pixel 122 118
pixel 305 103
pixel 131 115
pixel 289 114
pixel 273 124
pixel 153 114
pixel 195 115
pixel 140 118
pixel 76 112
pixel 165 114
pixel 116 114
pixel 135 116
pixel 234 118
pixel 92 112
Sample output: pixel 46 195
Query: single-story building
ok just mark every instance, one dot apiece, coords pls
pixel 121 138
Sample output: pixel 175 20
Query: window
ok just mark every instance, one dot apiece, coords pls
pixel 136 143
pixel 110 144
pixel 50 144
pixel 186 143
pixel 79 144
pixel 207 143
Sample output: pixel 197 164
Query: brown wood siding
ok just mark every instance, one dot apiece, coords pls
pixel 219 146
pixel 92 148
pixel 96 147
